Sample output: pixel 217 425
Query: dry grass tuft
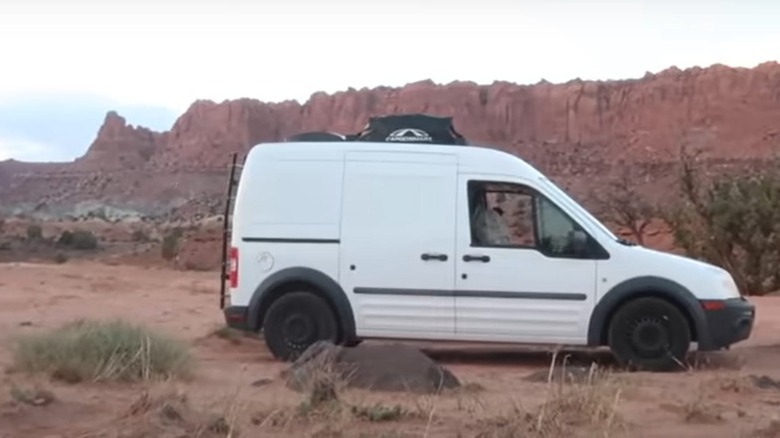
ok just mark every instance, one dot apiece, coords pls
pixel 169 413
pixel 102 351
pixel 379 412
pixel 698 409
pixel 590 404
pixel 326 409
pixel 35 396
pixel 322 389
pixel 231 335
pixel 572 405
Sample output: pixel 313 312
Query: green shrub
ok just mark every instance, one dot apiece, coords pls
pixel 102 351
pixel 34 232
pixel 140 236
pixel 731 220
pixel 170 243
pixel 78 239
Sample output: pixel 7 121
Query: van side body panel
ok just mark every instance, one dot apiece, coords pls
pixel 287 216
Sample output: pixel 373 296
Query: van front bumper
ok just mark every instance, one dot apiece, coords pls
pixel 237 317
pixel 728 322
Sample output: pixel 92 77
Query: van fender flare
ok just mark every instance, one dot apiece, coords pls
pixel 647 286
pixel 264 294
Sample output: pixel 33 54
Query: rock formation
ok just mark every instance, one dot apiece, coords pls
pixel 576 131
pixel 119 146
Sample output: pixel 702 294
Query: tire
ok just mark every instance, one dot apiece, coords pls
pixel 666 333
pixel 295 321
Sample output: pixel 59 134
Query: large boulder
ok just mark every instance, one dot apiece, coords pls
pixel 390 367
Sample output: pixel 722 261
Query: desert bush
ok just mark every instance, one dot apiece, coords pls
pixel 731 220
pixel 140 236
pixel 78 239
pixel 170 243
pixel 621 204
pixel 102 351
pixel 34 232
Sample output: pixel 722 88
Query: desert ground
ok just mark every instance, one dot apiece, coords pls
pixel 236 389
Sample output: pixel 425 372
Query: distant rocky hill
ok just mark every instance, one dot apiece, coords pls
pixel 579 132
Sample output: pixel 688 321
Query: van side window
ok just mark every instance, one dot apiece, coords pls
pixel 516 216
pixel 501 215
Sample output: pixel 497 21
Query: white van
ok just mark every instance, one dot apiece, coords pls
pixel 402 238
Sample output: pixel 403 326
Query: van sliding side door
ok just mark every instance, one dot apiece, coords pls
pixel 397 258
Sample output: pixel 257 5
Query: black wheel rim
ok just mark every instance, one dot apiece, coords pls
pixel 649 336
pixel 298 330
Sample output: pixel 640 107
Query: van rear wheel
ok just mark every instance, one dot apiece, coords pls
pixel 295 321
pixel 650 334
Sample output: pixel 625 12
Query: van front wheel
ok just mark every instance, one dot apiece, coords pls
pixel 295 321
pixel 650 334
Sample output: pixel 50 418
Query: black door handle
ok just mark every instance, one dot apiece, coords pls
pixel 441 257
pixel 472 258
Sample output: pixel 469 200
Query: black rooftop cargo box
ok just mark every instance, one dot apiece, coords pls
pixel 411 128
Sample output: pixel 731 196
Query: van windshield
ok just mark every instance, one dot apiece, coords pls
pixel 572 204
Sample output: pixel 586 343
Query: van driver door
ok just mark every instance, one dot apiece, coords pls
pixel 526 271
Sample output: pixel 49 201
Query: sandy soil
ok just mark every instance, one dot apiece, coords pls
pixel 718 399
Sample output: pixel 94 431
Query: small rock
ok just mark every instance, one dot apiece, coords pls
pixel 729 415
pixel 375 367
pixel 765 382
pixel 261 382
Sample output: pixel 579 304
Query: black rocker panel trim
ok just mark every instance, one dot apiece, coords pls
pixel 471 293
pixel 286 240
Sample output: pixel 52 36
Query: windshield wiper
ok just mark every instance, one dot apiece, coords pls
pixel 625 242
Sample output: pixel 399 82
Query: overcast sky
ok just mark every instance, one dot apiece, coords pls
pixel 167 53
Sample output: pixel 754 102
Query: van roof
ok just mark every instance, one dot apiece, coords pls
pixel 471 158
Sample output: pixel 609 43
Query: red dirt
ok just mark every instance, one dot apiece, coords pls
pixel 716 400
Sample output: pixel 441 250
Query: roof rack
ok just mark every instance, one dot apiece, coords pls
pixel 316 136
pixel 396 128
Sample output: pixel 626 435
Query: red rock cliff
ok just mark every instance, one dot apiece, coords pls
pixel 570 130
pixel 120 146
pixel 732 110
